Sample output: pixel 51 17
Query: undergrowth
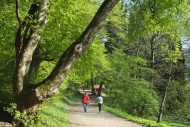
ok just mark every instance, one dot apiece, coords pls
pixel 53 112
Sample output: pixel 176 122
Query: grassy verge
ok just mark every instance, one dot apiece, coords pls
pixel 53 112
pixel 145 122
pixel 175 121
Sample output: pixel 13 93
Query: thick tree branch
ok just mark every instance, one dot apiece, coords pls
pixel 152 8
pixel 17 12
pixel 52 83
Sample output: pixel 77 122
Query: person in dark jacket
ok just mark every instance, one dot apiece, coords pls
pixel 85 101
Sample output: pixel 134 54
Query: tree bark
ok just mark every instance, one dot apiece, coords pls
pixel 30 96
pixel 162 106
pixel 92 87
pixel 100 88
pixel 165 92
pixel 25 46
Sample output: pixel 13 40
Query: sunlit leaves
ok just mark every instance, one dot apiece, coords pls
pixel 91 64
pixel 8 24
pixel 66 21
pixel 151 16
pixel 128 89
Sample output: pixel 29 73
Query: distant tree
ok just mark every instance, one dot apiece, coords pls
pixel 100 88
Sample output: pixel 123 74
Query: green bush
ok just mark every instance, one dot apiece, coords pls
pixel 27 120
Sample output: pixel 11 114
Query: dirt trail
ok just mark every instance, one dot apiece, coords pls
pixel 92 118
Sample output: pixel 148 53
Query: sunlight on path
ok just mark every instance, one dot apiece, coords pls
pixel 92 118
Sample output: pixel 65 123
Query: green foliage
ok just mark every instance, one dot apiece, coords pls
pixel 91 63
pixel 7 30
pixel 182 110
pixel 148 17
pixel 115 34
pixel 127 89
pixel 154 32
pixel 45 68
pixel 66 22
pixel 27 120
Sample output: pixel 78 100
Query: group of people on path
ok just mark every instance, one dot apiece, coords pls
pixel 86 101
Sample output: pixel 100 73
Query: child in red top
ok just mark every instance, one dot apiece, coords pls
pixel 85 101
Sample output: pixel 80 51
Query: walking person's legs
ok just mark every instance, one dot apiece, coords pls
pixel 100 107
pixel 85 107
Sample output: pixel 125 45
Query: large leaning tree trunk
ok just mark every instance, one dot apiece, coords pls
pixel 30 96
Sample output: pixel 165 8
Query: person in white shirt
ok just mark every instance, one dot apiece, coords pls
pixel 100 102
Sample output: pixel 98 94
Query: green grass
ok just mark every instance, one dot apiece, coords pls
pixel 173 121
pixel 167 120
pixel 141 121
pixel 53 112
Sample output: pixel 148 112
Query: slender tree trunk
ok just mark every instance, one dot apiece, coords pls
pixel 162 106
pixel 143 109
pixel 165 93
pixel 92 87
pixel 87 83
pixel 100 88
pixel 152 52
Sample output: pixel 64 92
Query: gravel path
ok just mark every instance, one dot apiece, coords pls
pixel 92 118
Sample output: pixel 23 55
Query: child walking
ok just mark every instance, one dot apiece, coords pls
pixel 85 101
